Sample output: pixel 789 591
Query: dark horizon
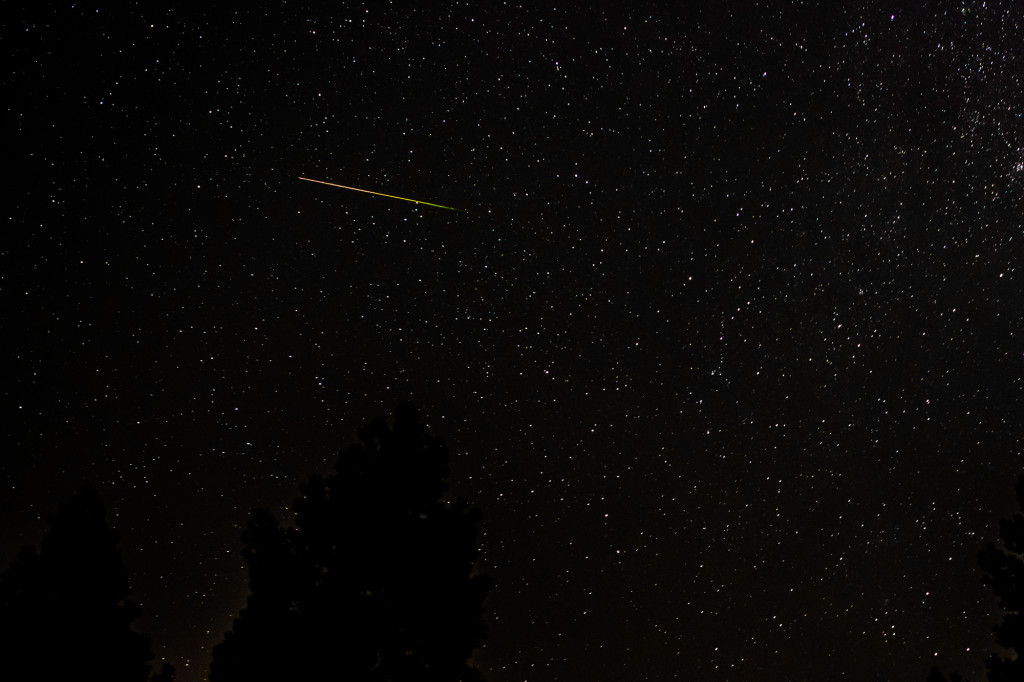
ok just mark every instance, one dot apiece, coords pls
pixel 726 344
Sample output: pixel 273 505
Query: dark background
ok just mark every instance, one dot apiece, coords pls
pixel 726 344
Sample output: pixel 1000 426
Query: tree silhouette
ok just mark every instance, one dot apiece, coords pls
pixel 374 582
pixel 1004 569
pixel 65 609
pixel 1003 564
pixel 937 676
pixel 166 674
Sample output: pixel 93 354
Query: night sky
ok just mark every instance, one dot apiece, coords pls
pixel 726 339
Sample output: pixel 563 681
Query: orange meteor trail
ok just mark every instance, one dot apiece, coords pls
pixel 389 196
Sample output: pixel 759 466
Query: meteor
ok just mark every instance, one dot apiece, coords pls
pixel 379 194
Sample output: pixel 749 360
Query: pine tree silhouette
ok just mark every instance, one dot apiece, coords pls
pixel 376 580
pixel 937 676
pixel 1004 575
pixel 1003 564
pixel 167 673
pixel 66 609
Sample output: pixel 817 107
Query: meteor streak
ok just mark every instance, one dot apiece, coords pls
pixel 379 194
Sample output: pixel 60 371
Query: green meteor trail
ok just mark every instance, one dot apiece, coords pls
pixel 379 194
